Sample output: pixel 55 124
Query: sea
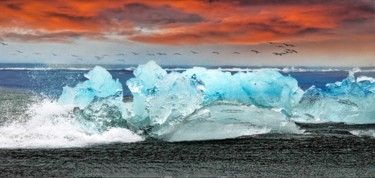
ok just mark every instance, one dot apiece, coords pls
pixel 36 143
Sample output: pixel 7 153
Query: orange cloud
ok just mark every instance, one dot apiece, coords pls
pixel 186 22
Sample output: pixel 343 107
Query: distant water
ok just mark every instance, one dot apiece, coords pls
pixel 26 91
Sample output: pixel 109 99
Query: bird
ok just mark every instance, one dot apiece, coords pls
pixel 120 54
pixel 79 59
pixel 36 53
pixel 105 55
pixel 99 58
pixel 73 55
pixel 3 43
pixel 194 52
pixel 162 54
pixel 290 51
pixel 281 46
pixel 135 53
pixel 289 45
pixel 215 52
pixel 151 54
pixel 53 54
pixel 18 51
pixel 236 52
pixel 177 54
pixel 278 54
pixel 255 51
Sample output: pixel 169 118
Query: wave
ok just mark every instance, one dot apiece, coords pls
pixel 363 133
pixel 51 125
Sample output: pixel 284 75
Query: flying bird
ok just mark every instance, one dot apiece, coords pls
pixel 73 55
pixel 215 52
pixel 177 54
pixel 18 51
pixel 120 54
pixel 289 45
pixel 53 54
pixel 278 54
pixel 37 53
pixel 236 52
pixel 151 54
pixel 194 52
pixel 135 53
pixel 255 51
pixel 99 58
pixel 3 43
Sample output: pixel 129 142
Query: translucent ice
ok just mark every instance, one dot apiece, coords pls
pixel 97 101
pixel 350 101
pixel 160 98
pixel 267 89
pixel 223 119
pixel 165 103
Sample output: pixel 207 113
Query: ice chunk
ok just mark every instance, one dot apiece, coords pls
pixel 350 101
pixel 97 101
pixel 160 98
pixel 99 85
pixel 262 88
pixel 221 120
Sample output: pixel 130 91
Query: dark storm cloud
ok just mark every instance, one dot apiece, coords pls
pixel 142 14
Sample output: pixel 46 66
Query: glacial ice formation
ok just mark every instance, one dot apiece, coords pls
pixel 267 88
pixel 97 101
pixel 200 104
pixel 350 101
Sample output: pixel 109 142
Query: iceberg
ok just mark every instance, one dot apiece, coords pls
pixel 97 102
pixel 196 104
pixel 268 89
pixel 348 101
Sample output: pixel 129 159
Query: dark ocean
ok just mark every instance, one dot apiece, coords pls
pixel 35 142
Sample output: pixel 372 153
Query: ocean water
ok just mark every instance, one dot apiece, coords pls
pixel 38 137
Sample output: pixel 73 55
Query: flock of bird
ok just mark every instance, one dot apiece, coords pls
pixel 287 49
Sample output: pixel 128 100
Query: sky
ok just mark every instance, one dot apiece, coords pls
pixel 189 32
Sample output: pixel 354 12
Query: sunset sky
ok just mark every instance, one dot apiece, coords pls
pixel 323 32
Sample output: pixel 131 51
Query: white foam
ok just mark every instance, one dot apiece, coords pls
pixel 52 126
pixel 369 133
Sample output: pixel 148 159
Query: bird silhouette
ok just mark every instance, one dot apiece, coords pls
pixel 18 51
pixel 278 54
pixel 99 58
pixel 120 54
pixel 3 43
pixel 73 55
pixel 255 51
pixel 80 59
pixel 215 52
pixel 179 54
pixel 162 54
pixel 194 52
pixel 37 53
pixel 236 52
pixel 151 54
pixel 53 54
pixel 288 45
pixel 135 53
